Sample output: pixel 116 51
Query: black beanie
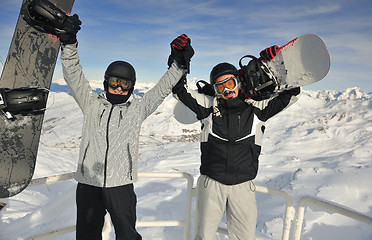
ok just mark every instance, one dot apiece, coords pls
pixel 222 69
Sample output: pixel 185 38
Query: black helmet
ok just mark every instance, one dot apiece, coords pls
pixel 120 69
pixel 222 69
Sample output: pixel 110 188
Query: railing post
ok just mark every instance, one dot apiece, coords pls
pixel 190 184
pixel 330 207
pixel 289 214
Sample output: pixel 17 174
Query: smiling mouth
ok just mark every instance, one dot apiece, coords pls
pixel 228 94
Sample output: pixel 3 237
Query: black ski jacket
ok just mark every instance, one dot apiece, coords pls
pixel 231 131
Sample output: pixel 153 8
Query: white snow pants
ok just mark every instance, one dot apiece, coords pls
pixel 240 204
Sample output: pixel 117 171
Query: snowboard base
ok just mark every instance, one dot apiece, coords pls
pixel 183 114
pixel 25 82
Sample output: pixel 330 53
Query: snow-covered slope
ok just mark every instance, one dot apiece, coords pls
pixel 320 146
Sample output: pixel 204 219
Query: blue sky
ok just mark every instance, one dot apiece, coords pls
pixel 140 32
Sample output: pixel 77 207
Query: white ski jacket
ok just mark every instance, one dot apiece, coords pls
pixel 109 146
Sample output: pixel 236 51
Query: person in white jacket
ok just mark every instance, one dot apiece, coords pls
pixel 108 158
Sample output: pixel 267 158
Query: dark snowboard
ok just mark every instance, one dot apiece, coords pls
pixel 30 64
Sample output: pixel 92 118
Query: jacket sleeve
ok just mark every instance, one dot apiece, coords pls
pixel 200 104
pixel 155 96
pixel 74 77
pixel 268 108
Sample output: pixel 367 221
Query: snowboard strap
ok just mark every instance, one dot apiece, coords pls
pixel 23 101
pixel 255 80
pixel 44 16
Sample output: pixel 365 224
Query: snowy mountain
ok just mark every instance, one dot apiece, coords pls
pixel 320 146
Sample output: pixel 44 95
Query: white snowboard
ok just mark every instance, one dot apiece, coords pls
pixel 183 114
pixel 302 61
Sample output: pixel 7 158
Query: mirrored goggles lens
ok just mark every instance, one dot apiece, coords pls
pixel 116 82
pixel 229 84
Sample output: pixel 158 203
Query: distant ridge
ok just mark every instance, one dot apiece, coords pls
pixel 328 95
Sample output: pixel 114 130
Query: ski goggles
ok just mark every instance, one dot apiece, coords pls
pixel 228 84
pixel 116 82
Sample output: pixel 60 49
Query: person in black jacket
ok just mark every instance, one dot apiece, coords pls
pixel 232 130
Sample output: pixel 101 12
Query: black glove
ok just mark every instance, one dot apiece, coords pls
pixel 269 53
pixel 181 52
pixel 69 29
pixel 205 87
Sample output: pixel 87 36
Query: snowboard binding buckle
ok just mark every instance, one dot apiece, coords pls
pixel 23 101
pixel 257 82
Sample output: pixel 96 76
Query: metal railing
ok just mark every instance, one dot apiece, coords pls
pixel 292 215
pixel 186 223
pixel 308 201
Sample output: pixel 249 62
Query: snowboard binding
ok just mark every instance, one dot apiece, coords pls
pixel 22 101
pixel 44 16
pixel 256 79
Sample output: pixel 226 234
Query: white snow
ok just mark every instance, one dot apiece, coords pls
pixel 320 146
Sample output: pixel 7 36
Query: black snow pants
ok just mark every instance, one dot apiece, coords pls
pixel 92 204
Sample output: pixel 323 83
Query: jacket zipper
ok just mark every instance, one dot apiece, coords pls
pixel 120 118
pixel 107 146
pixel 82 162
pixel 130 163
pixel 100 117
pixel 239 122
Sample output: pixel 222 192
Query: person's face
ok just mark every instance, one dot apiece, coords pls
pixel 228 94
pixel 117 91
pixel 118 86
